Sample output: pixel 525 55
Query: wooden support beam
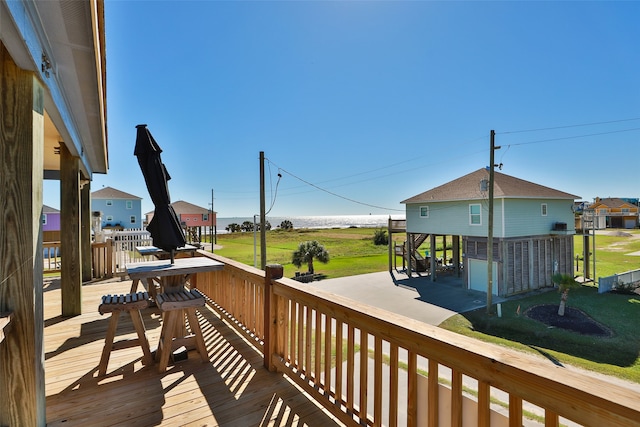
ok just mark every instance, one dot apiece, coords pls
pixel 85 230
pixel 434 258
pixel 21 257
pixel 71 279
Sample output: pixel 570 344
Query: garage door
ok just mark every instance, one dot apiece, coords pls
pixel 478 276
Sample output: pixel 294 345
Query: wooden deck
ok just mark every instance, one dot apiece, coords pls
pixel 233 389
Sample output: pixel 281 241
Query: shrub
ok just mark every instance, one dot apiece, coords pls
pixel 286 225
pixel 380 237
pixel 625 288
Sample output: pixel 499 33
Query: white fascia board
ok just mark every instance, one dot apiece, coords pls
pixel 26 50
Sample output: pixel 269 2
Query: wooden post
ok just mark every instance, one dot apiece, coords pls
pixel 22 388
pixel 434 261
pixel 456 254
pixel 70 280
pixel 391 253
pixel 85 230
pixel 272 272
pixel 444 250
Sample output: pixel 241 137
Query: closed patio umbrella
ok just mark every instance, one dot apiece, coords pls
pixel 164 227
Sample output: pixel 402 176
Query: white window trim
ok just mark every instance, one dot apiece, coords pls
pixel 129 204
pixel 44 219
pixel 471 215
pixel 543 209
pixel 427 209
pixel 132 219
pixel 109 202
pixel 109 218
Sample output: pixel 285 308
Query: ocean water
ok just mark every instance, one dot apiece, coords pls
pixel 319 221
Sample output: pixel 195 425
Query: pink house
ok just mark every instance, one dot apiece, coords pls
pixel 192 218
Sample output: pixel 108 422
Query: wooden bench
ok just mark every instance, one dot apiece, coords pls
pixel 116 304
pixel 174 306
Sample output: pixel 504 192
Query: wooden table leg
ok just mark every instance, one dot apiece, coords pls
pixel 197 331
pixel 165 346
pixel 134 286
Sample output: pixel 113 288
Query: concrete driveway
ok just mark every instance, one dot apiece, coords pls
pixel 417 297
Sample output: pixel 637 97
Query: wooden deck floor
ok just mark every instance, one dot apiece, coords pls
pixel 232 390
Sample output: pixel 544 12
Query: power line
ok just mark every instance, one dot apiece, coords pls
pixel 570 126
pixel 332 193
pixel 574 137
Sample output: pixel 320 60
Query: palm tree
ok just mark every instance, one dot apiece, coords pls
pixel 286 225
pixel 233 227
pixel 307 251
pixel 565 282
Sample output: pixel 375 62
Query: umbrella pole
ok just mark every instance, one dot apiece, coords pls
pixel 172 256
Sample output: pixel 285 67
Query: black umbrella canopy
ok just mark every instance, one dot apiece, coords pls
pixel 164 227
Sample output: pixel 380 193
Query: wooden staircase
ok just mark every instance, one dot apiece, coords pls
pixel 418 262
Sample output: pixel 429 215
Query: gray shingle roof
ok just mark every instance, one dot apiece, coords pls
pixel 112 193
pixel 468 188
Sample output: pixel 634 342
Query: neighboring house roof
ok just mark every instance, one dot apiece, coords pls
pixel 49 210
pixel 505 186
pixel 112 193
pixel 611 202
pixel 184 208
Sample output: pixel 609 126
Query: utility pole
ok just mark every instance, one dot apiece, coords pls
pixel 263 235
pixel 490 224
pixel 214 231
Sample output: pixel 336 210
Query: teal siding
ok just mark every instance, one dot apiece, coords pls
pixel 450 218
pixel 522 217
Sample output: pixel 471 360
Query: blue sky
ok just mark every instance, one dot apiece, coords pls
pixel 360 105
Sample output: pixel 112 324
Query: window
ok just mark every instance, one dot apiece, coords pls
pixel 132 219
pixel 424 211
pixel 109 218
pixel 543 209
pixel 475 215
pixel 205 217
pixel 603 211
pixel 129 204
pixel 109 202
pixel 625 210
pixel 44 219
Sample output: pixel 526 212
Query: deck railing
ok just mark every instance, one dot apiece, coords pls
pixel 52 260
pixel 125 242
pixel 102 258
pixel 368 366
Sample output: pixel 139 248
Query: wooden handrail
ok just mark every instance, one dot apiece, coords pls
pixel 338 351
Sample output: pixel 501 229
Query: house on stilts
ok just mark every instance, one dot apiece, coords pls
pixel 532 232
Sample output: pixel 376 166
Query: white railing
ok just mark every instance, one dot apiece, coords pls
pixel 606 284
pixel 125 243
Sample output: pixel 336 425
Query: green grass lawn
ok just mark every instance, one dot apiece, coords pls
pixel 352 252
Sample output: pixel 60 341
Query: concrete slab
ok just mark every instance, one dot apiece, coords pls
pixel 417 297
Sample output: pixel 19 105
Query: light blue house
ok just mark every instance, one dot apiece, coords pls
pixel 119 210
pixel 533 228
